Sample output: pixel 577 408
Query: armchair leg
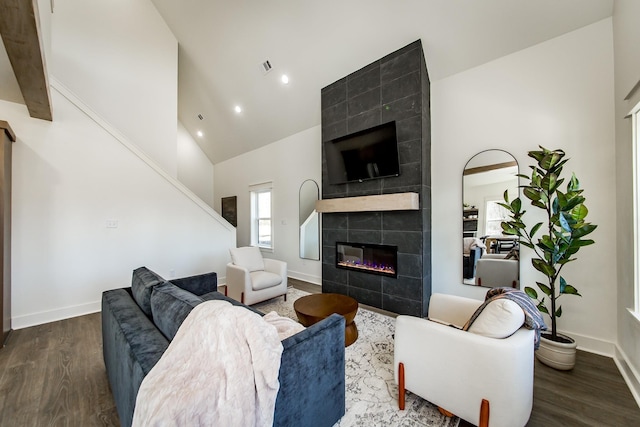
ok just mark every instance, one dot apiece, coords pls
pixel 401 386
pixel 445 412
pixel 242 297
pixel 484 413
pixel 285 297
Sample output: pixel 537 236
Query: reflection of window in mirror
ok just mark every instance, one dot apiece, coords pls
pixel 494 215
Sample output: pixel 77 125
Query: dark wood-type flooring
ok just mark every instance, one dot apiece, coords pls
pixel 53 375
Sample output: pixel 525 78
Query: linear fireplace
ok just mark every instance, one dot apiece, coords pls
pixel 368 258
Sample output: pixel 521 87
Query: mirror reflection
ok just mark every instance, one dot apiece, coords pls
pixel 489 258
pixel 308 220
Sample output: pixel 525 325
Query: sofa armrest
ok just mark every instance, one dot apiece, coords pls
pixel 198 285
pixel 434 355
pixel 131 346
pixel 312 376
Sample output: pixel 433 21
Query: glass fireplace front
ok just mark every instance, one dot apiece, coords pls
pixel 368 258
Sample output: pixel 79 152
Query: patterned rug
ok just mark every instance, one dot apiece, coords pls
pixel 371 392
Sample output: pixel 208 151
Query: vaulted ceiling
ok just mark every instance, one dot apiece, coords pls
pixel 222 45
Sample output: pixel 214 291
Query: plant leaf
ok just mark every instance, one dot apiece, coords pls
pixel 550 182
pixel 542 308
pixel 559 311
pixel 551 159
pixel 544 288
pixel 574 184
pixel 531 292
pixel 543 267
pixel 532 194
pixel 535 229
pixel 570 290
pixel 583 230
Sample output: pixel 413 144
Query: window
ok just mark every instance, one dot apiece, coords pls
pixel 494 215
pixel 261 216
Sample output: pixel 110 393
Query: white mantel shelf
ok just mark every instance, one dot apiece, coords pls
pixel 383 202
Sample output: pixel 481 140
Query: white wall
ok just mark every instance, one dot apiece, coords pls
pixel 121 59
pixel 558 94
pixel 287 163
pixel 70 177
pixel 195 170
pixel 626 32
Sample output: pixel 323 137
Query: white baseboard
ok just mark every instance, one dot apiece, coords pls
pixel 305 277
pixel 28 320
pixel 631 377
pixel 593 345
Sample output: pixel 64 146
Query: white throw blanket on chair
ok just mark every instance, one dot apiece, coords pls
pixel 220 369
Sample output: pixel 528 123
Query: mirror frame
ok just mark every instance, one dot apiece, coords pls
pixel 508 247
pixel 303 217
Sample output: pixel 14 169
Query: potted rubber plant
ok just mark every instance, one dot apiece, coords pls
pixel 555 243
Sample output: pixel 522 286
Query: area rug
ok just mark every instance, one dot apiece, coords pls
pixel 371 392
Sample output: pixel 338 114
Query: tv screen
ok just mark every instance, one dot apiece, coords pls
pixel 368 154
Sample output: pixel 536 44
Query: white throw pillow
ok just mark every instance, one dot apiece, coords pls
pixel 248 257
pixel 499 319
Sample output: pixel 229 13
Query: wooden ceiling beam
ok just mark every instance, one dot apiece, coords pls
pixel 487 168
pixel 20 31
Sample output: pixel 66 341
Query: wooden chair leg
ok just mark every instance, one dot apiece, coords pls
pixel 285 297
pixel 445 412
pixel 242 297
pixel 401 386
pixel 225 290
pixel 484 413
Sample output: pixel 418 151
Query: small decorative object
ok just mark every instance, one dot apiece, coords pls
pixel 565 231
pixel 230 209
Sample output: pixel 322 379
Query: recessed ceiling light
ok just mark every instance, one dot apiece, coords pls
pixel 285 79
pixel 238 109
pixel 200 134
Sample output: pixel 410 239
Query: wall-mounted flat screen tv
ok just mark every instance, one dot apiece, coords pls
pixel 368 154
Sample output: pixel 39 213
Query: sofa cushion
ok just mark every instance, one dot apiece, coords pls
pixel 264 279
pixel 500 318
pixel 170 305
pixel 142 283
pixel 248 257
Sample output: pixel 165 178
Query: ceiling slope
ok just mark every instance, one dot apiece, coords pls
pixel 222 45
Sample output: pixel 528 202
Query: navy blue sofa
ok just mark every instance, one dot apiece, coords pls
pixel 139 322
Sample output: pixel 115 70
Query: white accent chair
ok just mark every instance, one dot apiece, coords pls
pixel 252 279
pixel 496 271
pixel 462 372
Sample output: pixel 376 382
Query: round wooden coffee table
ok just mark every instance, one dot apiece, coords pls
pixel 313 308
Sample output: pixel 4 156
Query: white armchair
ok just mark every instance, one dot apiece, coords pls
pixel 252 279
pixel 496 271
pixel 461 371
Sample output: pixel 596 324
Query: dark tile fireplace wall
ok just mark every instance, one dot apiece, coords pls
pixel 395 87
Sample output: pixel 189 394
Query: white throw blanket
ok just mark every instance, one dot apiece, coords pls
pixel 221 369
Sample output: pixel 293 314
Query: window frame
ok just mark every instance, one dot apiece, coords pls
pixel 486 220
pixel 254 192
pixel 635 144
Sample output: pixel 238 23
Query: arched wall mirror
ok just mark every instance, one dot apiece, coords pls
pixel 309 220
pixel 489 258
